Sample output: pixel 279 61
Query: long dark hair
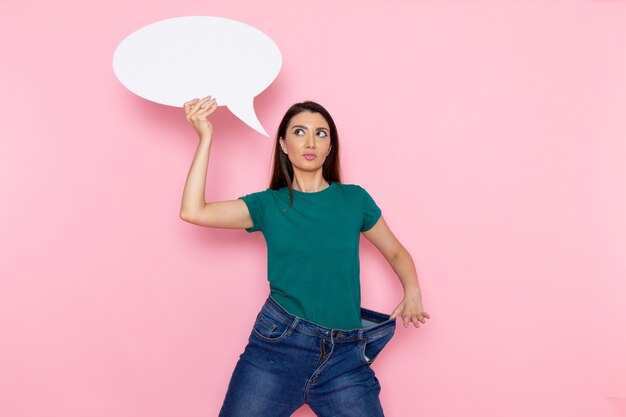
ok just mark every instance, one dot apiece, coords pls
pixel 282 171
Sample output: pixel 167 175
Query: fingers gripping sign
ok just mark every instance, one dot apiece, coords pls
pixel 196 112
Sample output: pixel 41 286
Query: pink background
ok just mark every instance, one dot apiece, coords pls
pixel 491 134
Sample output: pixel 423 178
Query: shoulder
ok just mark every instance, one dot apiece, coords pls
pixel 267 191
pixel 354 189
pixel 258 196
pixel 349 187
pixel 361 194
pixel 267 198
pixel 356 193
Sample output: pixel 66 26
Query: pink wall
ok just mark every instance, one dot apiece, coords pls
pixel 492 135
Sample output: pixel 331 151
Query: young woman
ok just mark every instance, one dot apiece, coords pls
pixel 312 342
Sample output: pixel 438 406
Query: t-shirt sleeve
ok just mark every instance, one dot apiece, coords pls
pixel 256 208
pixel 371 211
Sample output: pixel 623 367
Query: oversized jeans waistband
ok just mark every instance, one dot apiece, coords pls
pixel 374 324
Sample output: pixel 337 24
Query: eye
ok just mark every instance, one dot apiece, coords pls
pixel 298 130
pixel 324 134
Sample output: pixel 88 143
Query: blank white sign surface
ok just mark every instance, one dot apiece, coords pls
pixel 175 60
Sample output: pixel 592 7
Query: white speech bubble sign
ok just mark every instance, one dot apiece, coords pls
pixel 175 60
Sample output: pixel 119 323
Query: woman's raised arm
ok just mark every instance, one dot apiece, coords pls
pixel 194 208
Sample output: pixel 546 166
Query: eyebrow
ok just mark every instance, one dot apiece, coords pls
pixel 304 127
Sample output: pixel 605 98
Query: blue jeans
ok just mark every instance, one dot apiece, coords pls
pixel 290 361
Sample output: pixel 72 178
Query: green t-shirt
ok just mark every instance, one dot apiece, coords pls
pixel 313 249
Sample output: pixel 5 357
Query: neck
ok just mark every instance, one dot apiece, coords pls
pixel 309 185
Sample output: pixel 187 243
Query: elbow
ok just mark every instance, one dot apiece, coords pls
pixel 189 214
pixel 184 215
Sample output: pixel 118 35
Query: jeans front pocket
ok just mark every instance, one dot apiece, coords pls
pixel 370 347
pixel 269 328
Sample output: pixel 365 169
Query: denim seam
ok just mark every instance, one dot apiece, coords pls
pixel 270 325
pixel 369 331
pixel 284 334
pixel 270 310
pixel 318 371
pixel 362 353
pixel 364 358
pixel 365 333
pixel 383 332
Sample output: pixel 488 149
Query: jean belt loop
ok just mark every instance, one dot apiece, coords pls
pixel 293 325
pixel 360 334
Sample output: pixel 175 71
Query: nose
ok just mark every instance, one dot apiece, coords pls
pixel 310 141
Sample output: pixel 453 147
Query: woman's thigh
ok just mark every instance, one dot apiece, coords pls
pixel 348 387
pixel 271 374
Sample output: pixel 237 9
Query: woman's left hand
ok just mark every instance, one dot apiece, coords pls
pixel 411 310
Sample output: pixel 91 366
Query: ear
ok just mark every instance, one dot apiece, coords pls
pixel 282 144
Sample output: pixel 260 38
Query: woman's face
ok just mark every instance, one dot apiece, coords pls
pixel 307 134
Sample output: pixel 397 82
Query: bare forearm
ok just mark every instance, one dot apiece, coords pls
pixel 193 194
pixel 404 267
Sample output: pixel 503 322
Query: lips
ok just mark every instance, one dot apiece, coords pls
pixel 309 156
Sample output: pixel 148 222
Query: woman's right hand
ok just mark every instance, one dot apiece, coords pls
pixel 196 112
